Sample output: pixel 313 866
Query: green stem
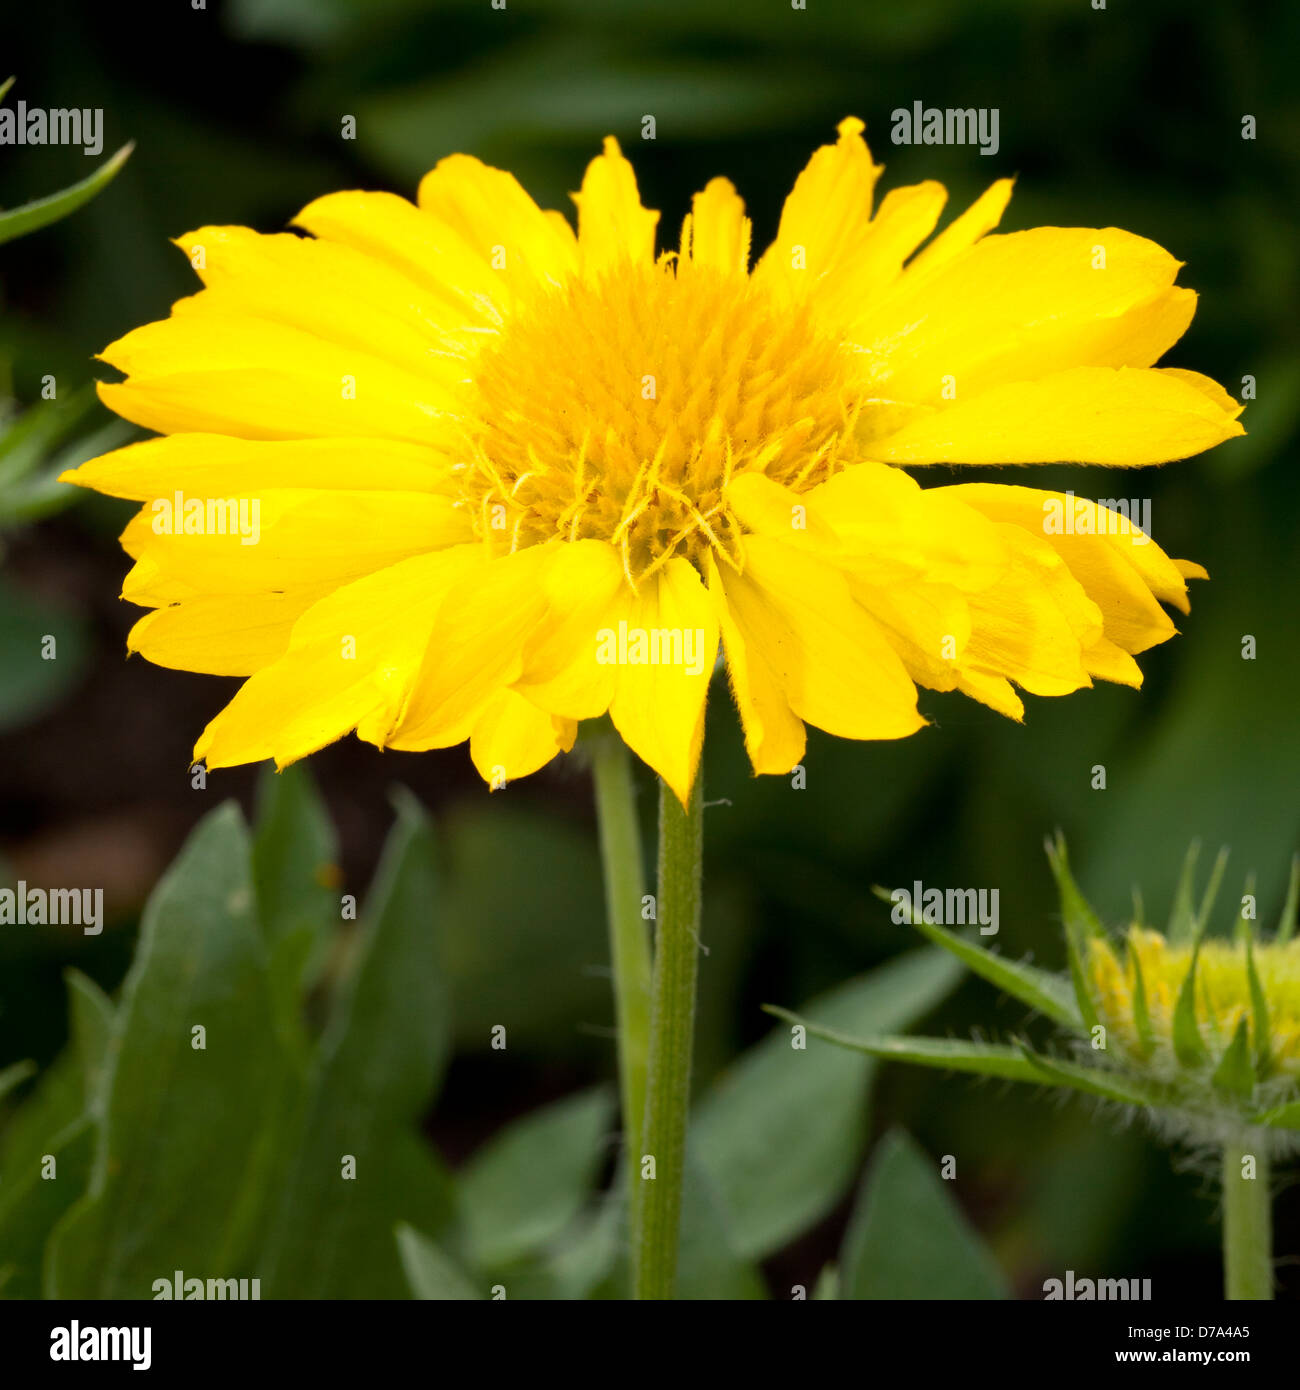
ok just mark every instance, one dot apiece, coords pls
pixel 657 1195
pixel 1247 1224
pixel 629 940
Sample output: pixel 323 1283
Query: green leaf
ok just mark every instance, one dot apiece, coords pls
pixel 1081 926
pixel 1286 923
pixel 908 1238
pixel 295 855
pixel 1043 991
pixel 40 213
pixel 1097 1081
pixel 1075 908
pixel 380 1061
pixel 1258 1011
pixel 430 1271
pixel 33 1204
pixel 947 1054
pixel 1141 1011
pixel 1189 1047
pixel 828 1284
pixel 93 1024
pixel 1281 1117
pixel 296 875
pixel 1235 1073
pixel 1210 894
pixel 183 1125
pixel 30 684
pixel 15 1075
pixel 1182 917
pixel 529 1181
pixel 772 1188
pixel 711 1264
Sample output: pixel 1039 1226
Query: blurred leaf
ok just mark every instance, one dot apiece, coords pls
pixel 296 875
pixel 711 1262
pixel 15 1075
pixel 908 1238
pixel 32 1206
pixel 30 684
pixel 781 1132
pixel 948 1054
pixel 32 216
pixel 1043 991
pixel 524 926
pixel 530 1180
pixel 380 1061
pixel 182 1125
pixel 430 1272
pixel 93 1023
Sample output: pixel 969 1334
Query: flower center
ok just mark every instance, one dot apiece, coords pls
pixel 620 410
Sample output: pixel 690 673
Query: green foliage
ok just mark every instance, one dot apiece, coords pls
pixel 781 1132
pixel 908 1238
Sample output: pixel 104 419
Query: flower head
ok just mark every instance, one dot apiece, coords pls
pixel 508 477
pixel 1201 1031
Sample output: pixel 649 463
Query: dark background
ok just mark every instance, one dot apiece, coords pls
pixel 1127 116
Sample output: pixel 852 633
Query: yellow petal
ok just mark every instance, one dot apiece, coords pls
pixel 586 594
pixel 613 227
pixel 774 734
pixel 658 704
pixel 325 288
pixel 1126 416
pixel 234 374
pixel 294 538
pixel 829 658
pixel 906 217
pixel 826 217
pixel 1019 306
pixel 217 465
pixel 457 274
pixel 514 738
pixel 1098 544
pixel 476 647
pixel 222 634
pixel 716 233
pixel 496 218
pixel 351 663
pixel 962 232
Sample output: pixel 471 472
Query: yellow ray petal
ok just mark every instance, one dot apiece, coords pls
pixel 586 595
pixel 1126 416
pixel 493 215
pixel 476 647
pixel 774 734
pixel 826 218
pixel 962 232
pixel 613 227
pixel 1017 306
pixel 235 374
pixel 906 217
pixel 1099 545
pixel 436 257
pixel 658 704
pixel 829 658
pixel 716 233
pixel 351 662
pixel 217 465
pixel 513 738
pixel 299 537
pixel 325 288
pixel 222 634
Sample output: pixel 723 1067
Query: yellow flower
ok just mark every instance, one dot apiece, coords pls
pixel 507 477
pixel 1223 998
